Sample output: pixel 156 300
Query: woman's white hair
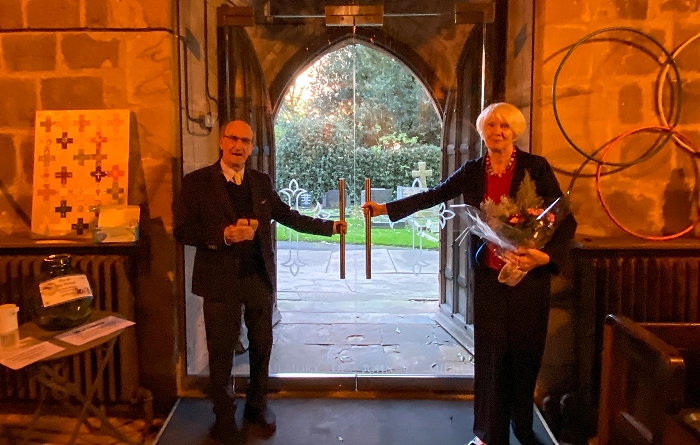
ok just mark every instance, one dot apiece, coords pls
pixel 505 112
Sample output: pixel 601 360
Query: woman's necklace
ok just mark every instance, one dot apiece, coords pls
pixel 489 167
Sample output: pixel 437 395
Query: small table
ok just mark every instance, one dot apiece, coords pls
pixel 50 374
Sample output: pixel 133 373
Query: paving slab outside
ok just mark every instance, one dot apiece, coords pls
pixel 380 325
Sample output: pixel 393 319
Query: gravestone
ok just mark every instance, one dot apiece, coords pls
pixel 422 174
pixel 306 201
pixel 404 192
pixel 382 195
pixel 331 199
pixel 379 195
pixel 420 217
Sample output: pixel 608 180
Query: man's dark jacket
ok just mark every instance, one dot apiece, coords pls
pixel 204 210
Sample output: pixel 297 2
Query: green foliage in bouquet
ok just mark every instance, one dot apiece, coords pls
pixel 525 198
pixel 521 219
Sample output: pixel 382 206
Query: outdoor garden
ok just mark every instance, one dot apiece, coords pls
pixel 382 125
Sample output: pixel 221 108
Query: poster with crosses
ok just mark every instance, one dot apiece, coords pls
pixel 81 160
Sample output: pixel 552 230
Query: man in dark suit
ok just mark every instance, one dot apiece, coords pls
pixel 225 211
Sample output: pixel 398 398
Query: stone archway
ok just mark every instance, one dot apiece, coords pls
pixel 332 38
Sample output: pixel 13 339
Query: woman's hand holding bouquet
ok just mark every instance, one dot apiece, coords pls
pixel 516 230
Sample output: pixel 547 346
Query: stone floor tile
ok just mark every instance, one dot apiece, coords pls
pixel 457 368
pixel 302 333
pixel 415 261
pixel 355 260
pixel 317 317
pixel 300 358
pixel 368 359
pixel 324 296
pixel 442 337
pixel 291 260
pixel 397 307
pixel 355 334
pixel 415 359
pixel 394 334
pixel 317 306
pixel 455 353
pixel 384 318
pixel 314 284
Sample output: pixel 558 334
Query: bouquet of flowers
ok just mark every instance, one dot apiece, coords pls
pixel 523 222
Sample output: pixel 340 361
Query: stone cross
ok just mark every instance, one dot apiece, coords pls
pixel 422 174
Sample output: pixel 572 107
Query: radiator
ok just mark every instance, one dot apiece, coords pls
pixel 648 288
pixel 646 283
pixel 109 277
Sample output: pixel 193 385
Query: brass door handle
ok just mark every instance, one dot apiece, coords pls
pixel 341 204
pixel 368 232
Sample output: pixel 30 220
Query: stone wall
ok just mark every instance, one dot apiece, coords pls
pixel 429 46
pixel 608 86
pixel 605 87
pixel 519 61
pixel 100 54
pixel 199 143
pixel 90 54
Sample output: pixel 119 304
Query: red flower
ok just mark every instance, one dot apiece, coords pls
pixel 515 219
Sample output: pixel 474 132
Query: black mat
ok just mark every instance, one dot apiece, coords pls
pixel 340 422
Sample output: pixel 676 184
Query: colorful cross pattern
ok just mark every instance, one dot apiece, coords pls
pixel 74 150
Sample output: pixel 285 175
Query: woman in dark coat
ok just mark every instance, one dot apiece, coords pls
pixel 510 322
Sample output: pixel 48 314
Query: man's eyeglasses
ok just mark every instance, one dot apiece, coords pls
pixel 235 139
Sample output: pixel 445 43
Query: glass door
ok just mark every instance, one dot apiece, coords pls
pixel 358 113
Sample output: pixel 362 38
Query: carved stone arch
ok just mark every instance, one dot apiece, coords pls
pixel 244 94
pixel 335 38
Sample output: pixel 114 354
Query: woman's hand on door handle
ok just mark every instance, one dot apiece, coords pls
pixel 371 208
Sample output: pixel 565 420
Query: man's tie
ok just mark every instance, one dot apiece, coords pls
pixel 236 178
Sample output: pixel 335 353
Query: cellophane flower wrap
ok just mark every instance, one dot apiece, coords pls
pixel 526 221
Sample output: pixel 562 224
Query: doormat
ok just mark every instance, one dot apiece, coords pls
pixel 317 421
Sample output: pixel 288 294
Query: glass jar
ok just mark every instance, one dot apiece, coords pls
pixel 62 296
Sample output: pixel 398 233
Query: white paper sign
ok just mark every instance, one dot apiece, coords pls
pixel 63 289
pixel 91 331
pixel 30 352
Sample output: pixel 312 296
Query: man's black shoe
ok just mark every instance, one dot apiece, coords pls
pixel 226 432
pixel 265 419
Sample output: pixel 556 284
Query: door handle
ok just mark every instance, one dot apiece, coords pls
pixel 368 232
pixel 341 204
